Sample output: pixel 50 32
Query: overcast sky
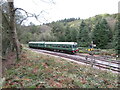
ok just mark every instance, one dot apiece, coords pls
pixel 60 9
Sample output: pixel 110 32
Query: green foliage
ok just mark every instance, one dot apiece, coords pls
pixel 67 34
pixel 102 34
pixel 68 20
pixel 83 36
pixel 26 37
pixel 95 29
pixel 70 34
pixel 74 34
pixel 58 30
pixel 116 37
pixel 67 30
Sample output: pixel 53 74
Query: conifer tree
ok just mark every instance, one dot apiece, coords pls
pixel 83 36
pixel 116 37
pixel 101 34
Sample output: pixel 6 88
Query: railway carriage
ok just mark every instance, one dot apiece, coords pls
pixel 70 47
pixel 40 45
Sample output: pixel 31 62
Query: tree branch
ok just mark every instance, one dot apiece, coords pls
pixel 28 14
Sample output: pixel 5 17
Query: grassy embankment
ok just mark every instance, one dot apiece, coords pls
pixel 36 70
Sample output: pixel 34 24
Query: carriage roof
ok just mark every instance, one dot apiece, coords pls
pixel 67 43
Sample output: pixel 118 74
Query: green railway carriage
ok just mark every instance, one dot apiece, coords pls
pixel 56 46
pixel 37 44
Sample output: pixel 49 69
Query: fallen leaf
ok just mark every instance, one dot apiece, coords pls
pixel 83 80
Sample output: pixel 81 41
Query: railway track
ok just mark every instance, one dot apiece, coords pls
pixel 93 61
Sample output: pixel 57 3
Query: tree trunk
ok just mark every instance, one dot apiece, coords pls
pixel 13 33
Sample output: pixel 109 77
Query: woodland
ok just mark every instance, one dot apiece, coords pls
pixel 103 30
pixel 27 69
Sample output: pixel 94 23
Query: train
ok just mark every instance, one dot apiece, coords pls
pixel 68 47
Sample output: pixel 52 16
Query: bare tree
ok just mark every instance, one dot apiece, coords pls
pixel 12 25
pixel 13 33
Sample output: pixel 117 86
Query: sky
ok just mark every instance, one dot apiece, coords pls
pixel 53 10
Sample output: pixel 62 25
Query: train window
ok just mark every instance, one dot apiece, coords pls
pixel 54 45
pixel 67 46
pixel 74 46
pixel 58 46
pixel 70 46
pixel 63 46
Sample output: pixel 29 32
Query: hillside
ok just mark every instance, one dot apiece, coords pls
pixel 82 31
pixel 111 19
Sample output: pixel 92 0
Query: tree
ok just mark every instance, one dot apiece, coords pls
pixel 67 34
pixel 11 19
pixel 83 35
pixel 116 37
pixel 101 34
pixel 73 33
pixel 59 31
pixel 13 32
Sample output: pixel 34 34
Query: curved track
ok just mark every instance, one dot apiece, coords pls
pixel 99 61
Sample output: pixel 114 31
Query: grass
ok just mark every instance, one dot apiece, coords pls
pixel 36 70
pixel 110 52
